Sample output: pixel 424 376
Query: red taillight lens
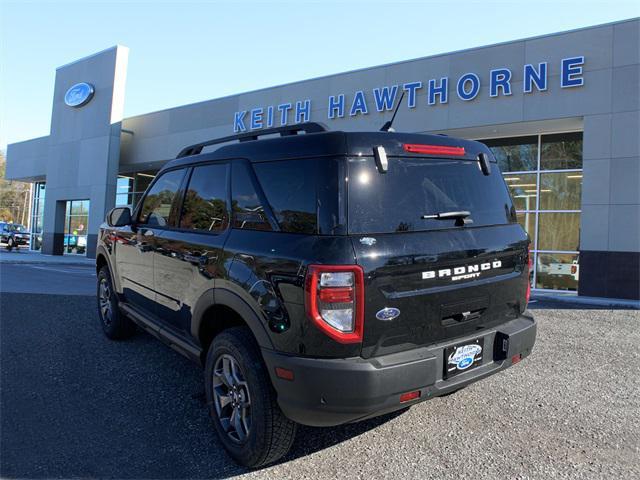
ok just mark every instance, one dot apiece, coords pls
pixel 334 300
pixel 574 269
pixel 336 295
pixel 433 149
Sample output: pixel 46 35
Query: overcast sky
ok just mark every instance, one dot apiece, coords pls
pixel 184 52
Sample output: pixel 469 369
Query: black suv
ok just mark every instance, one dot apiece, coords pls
pixel 13 235
pixel 322 277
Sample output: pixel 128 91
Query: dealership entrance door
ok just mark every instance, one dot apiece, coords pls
pixel 75 227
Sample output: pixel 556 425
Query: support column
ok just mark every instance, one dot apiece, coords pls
pixel 84 145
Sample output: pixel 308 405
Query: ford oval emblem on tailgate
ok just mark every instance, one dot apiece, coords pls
pixel 387 314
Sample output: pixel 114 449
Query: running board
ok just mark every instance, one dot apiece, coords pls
pixel 164 335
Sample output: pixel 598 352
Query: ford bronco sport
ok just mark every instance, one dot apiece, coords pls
pixel 321 277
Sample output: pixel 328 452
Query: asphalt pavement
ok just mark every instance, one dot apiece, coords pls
pixel 75 404
pixel 48 278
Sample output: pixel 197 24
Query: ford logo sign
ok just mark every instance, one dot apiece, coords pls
pixel 79 94
pixel 387 314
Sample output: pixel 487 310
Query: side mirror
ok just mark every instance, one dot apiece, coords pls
pixel 119 217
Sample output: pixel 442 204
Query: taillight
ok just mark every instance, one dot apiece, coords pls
pixel 574 269
pixel 334 300
pixel 433 149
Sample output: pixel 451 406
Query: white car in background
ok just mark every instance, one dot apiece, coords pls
pixel 559 275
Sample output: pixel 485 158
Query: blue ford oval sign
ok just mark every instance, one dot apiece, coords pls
pixel 79 94
pixel 387 314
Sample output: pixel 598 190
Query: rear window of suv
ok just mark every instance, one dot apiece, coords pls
pixel 306 195
pixel 290 188
pixel 396 200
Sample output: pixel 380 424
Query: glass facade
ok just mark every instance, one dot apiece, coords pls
pixel 544 175
pixel 130 188
pixel 75 227
pixel 37 215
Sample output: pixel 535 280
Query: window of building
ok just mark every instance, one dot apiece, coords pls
pixel 159 208
pixel 290 188
pixel 205 202
pixel 124 191
pixel 248 211
pixel 544 175
pixel 131 187
pixel 76 226
pixel 37 215
pixel 561 151
pixel 518 154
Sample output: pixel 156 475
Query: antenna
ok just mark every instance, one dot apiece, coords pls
pixel 387 126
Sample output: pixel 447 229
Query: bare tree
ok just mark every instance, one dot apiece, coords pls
pixel 14 197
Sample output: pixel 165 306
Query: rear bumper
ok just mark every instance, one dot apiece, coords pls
pixel 327 392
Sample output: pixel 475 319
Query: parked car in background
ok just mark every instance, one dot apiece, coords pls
pixel 13 235
pixel 559 275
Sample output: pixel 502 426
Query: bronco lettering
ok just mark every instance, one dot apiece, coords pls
pixel 462 272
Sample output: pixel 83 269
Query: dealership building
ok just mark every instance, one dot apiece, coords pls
pixel 560 112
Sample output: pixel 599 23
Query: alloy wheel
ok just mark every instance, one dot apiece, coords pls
pixel 231 398
pixel 105 301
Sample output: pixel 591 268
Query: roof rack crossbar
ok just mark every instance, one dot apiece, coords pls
pixel 287 130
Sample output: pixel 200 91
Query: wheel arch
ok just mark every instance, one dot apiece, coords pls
pixel 219 309
pixel 102 259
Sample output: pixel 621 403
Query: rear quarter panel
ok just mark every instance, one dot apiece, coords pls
pixel 268 270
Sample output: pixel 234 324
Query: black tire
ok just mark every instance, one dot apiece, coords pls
pixel 270 434
pixel 10 244
pixel 115 324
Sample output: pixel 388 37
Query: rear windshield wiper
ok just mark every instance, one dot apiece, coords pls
pixel 461 217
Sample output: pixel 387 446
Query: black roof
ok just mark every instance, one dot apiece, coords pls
pixel 318 143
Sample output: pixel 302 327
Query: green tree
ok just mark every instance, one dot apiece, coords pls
pixel 14 197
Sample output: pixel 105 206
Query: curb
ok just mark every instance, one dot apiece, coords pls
pixel 31 259
pixel 62 264
pixel 595 301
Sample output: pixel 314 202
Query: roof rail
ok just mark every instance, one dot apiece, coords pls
pixel 308 127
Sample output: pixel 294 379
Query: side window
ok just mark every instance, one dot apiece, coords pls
pixel 205 203
pixel 248 212
pixel 159 208
pixel 290 188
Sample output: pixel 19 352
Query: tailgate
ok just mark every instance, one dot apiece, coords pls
pixel 443 283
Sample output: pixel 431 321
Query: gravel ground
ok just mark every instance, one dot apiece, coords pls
pixel 74 404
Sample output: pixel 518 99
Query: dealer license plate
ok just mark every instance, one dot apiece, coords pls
pixel 463 357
